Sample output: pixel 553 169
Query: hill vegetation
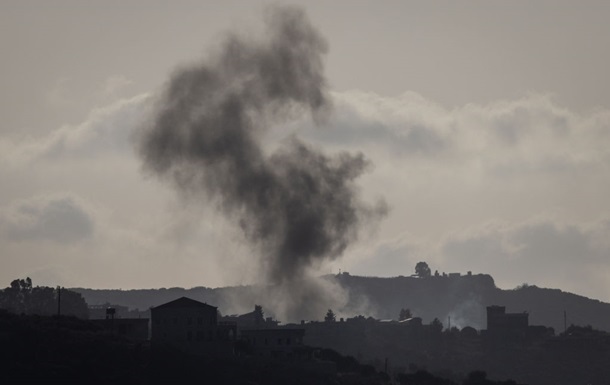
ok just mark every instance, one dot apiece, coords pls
pixel 21 297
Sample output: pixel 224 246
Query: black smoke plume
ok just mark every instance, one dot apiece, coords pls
pixel 297 205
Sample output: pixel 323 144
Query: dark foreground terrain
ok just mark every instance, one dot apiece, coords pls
pixel 66 350
pixel 38 349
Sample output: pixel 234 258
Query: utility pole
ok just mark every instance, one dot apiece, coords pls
pixel 449 323
pixel 58 301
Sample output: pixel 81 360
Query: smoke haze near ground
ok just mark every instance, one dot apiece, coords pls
pixel 297 206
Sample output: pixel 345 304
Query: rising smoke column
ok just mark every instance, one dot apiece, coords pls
pixel 298 205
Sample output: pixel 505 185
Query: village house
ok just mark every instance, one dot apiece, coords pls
pixel 503 326
pixel 498 320
pixel 185 323
pixel 274 343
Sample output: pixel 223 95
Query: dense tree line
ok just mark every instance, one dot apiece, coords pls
pixel 21 297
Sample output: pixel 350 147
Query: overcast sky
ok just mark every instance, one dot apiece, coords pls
pixel 488 124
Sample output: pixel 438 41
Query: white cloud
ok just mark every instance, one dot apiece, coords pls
pixel 501 170
pixel 106 131
pixel 514 188
pixel 571 256
pixel 61 219
pixel 531 133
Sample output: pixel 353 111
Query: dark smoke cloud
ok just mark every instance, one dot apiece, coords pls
pixel 298 205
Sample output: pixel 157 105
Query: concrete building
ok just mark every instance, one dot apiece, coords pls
pixel 185 323
pixel 505 327
pixel 499 320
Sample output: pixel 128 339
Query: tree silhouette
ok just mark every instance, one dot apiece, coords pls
pixel 436 326
pixel 73 303
pixel 405 314
pixel 16 297
pixel 422 270
pixel 21 297
pixel 330 316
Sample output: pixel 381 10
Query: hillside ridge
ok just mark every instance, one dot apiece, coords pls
pixel 460 300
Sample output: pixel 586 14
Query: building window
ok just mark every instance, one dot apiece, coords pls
pixel 157 322
pixel 199 336
pixel 266 342
pixel 287 341
pixel 200 321
pixel 189 321
pixel 279 341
